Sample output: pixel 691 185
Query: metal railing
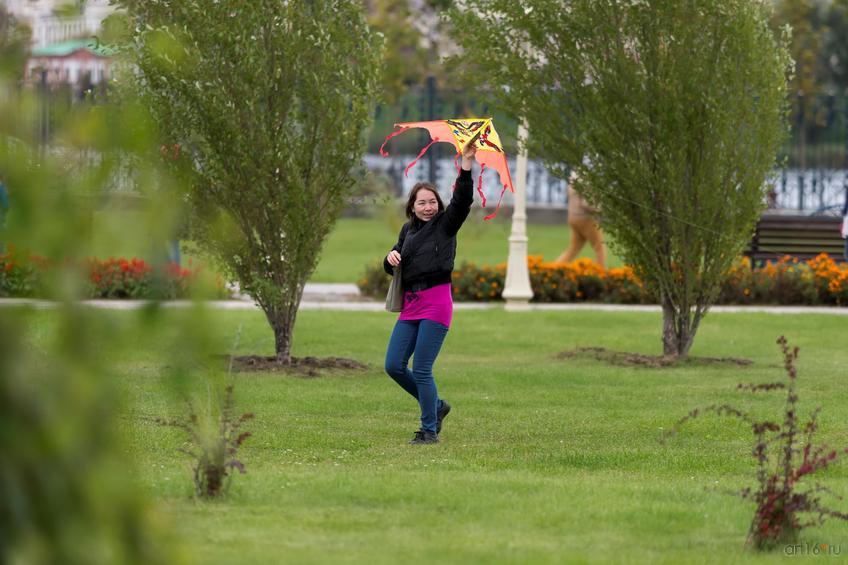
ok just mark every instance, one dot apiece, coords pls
pixel 813 163
pixel 813 172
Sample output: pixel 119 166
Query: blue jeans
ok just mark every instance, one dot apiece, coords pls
pixel 423 338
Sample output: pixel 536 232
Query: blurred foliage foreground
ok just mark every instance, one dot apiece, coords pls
pixel 65 478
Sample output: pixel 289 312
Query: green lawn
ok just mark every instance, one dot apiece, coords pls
pixel 355 243
pixel 541 461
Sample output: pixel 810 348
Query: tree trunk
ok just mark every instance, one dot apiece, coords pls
pixel 677 333
pixel 282 322
pixel 282 340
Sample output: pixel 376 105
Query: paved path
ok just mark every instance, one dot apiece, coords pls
pixel 346 297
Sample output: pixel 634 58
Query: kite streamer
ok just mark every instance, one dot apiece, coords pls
pixel 480 131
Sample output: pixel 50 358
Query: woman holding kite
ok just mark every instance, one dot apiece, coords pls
pixel 426 249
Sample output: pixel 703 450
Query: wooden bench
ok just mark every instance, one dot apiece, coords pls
pixel 803 237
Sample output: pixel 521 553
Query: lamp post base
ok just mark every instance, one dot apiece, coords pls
pixel 517 305
pixel 517 291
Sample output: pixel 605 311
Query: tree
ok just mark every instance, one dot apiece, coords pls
pixel 670 112
pixel 803 18
pixel 67 484
pixel 418 40
pixel 835 53
pixel 265 104
pixel 806 82
pixel 405 60
pixel 14 45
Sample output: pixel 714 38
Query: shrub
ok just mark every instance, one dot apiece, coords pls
pixel 119 278
pixel 736 288
pixel 212 445
pixel 786 281
pixel 552 282
pixel 18 277
pixel 109 278
pixel 783 508
pixel 624 287
pixel 566 282
pixel 475 283
pixel 134 278
pixel 375 282
pixel 830 280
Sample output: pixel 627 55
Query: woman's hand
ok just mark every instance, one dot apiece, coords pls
pixel 393 258
pixel 470 150
pixel 468 153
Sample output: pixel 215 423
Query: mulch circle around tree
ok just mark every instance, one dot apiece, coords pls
pixel 626 359
pixel 302 366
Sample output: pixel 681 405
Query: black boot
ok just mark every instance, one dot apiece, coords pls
pixel 423 437
pixel 443 411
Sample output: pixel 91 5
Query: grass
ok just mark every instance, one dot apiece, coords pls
pixel 542 460
pixel 357 242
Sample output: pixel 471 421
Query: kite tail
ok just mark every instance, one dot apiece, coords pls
pixel 480 187
pixel 385 153
pixel 498 207
pixel 456 164
pixel 423 151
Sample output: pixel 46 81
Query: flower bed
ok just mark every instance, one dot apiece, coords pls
pixel 787 281
pixel 109 278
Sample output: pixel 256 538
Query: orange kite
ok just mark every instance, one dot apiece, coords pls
pixel 481 131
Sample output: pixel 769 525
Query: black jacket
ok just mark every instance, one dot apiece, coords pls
pixel 428 249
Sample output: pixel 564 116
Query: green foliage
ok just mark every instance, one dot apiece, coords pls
pixel 17 277
pixel 805 45
pixel 834 56
pixel 417 38
pixel 14 43
pixel 802 21
pixel 786 457
pixel 818 46
pixel 374 282
pixel 404 60
pixel 67 495
pixel 212 443
pixel 671 113
pixel 66 480
pixel 266 103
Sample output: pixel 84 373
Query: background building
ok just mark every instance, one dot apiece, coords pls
pixel 80 63
pixel 48 27
pixel 63 50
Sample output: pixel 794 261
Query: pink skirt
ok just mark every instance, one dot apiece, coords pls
pixel 434 304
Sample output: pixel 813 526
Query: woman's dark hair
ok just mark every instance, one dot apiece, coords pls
pixel 413 194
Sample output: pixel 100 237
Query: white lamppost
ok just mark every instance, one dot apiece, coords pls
pixel 517 291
